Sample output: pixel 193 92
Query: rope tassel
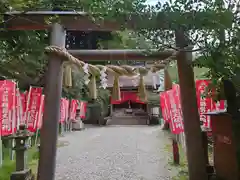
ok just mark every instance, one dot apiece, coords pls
pixel 141 87
pixel 92 88
pixel 116 95
pixel 142 90
pixel 167 81
pixel 68 76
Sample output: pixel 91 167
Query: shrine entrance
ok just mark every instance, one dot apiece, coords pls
pixel 58 54
pixel 129 110
pixel 130 105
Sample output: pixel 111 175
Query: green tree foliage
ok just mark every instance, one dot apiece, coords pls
pixel 212 28
pixel 213 31
pixel 21 52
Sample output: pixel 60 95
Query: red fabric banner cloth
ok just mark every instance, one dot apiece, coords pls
pixel 7 103
pixel 204 104
pixel 164 103
pixel 83 109
pixel 18 108
pixel 23 97
pixel 127 96
pixel 67 108
pixel 33 107
pixel 73 109
pixel 176 89
pixel 176 123
pixel 172 110
pixel 63 110
pixel 40 114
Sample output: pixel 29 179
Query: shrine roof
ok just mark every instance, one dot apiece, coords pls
pixel 125 81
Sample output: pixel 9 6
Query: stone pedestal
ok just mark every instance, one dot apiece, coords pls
pixel 22 175
pixel 77 125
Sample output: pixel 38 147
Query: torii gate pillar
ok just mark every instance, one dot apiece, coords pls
pixel 192 129
pixel 51 116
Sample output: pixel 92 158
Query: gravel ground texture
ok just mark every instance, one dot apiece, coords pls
pixel 114 153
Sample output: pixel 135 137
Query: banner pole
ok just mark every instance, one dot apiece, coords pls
pixel 1 152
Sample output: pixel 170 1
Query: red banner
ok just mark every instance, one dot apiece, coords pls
pixel 62 110
pixel 7 101
pixel 33 107
pixel 164 106
pixel 83 109
pixel 40 113
pixel 18 108
pixel 27 108
pixel 23 97
pixel 127 96
pixel 170 101
pixel 73 109
pixel 204 104
pixel 176 123
pixel 176 89
pixel 177 97
pixel 67 109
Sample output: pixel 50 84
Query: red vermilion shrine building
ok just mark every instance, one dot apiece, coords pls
pixel 130 110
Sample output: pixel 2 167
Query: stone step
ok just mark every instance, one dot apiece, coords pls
pixel 130 116
pixel 128 121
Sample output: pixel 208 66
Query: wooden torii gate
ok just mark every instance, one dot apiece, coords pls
pixel 82 22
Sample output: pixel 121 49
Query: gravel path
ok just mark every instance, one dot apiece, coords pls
pixel 114 153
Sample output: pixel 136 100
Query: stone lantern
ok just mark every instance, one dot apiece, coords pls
pixel 78 125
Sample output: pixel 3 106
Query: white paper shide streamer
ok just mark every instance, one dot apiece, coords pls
pixel 103 78
pixel 86 74
pixel 154 81
pixel 161 80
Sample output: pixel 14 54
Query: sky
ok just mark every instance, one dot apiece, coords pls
pixel 153 2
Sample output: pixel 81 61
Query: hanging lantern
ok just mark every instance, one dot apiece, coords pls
pixel 86 74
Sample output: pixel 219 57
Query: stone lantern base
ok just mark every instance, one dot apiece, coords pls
pixel 22 175
pixel 77 125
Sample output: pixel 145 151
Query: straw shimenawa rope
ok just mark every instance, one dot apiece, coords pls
pixel 94 70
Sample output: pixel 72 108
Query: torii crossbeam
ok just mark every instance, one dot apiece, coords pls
pixel 120 54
